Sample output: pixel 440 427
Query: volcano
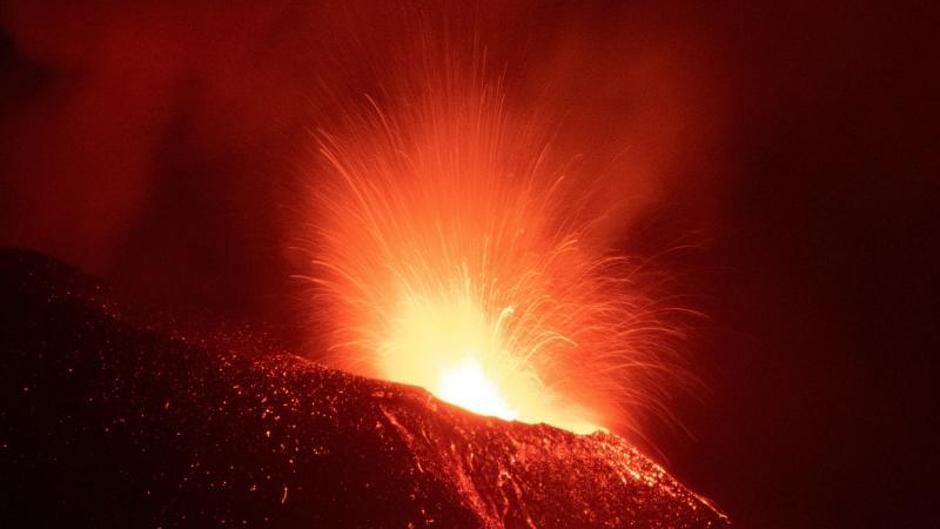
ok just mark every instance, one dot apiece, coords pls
pixel 108 422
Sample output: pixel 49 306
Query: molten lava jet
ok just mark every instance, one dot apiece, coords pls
pixel 458 251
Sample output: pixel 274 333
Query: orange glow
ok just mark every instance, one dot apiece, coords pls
pixel 468 386
pixel 455 251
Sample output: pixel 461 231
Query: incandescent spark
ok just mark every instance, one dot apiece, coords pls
pixel 457 252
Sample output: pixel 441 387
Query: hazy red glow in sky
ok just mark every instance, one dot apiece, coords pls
pixel 136 101
pixel 162 147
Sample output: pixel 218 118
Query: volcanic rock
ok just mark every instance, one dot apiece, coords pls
pixel 108 423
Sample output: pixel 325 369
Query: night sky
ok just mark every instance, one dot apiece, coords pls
pixel 781 163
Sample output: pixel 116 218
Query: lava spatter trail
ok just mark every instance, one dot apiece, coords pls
pixel 456 250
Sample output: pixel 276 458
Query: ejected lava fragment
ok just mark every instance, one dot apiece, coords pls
pixel 104 423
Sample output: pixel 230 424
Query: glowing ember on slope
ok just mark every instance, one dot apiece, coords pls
pixel 315 428
pixel 456 253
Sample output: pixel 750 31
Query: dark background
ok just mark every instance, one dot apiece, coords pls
pixel 793 148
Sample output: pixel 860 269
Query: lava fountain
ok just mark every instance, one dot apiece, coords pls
pixel 455 250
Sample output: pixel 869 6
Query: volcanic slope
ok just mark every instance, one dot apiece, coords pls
pixel 109 423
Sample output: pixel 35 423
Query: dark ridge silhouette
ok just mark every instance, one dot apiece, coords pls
pixel 104 423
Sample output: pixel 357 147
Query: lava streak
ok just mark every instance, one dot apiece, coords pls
pixel 456 252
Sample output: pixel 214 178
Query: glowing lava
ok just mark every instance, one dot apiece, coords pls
pixel 455 252
pixel 443 344
pixel 466 385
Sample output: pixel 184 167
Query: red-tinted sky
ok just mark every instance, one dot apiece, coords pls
pixel 162 146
